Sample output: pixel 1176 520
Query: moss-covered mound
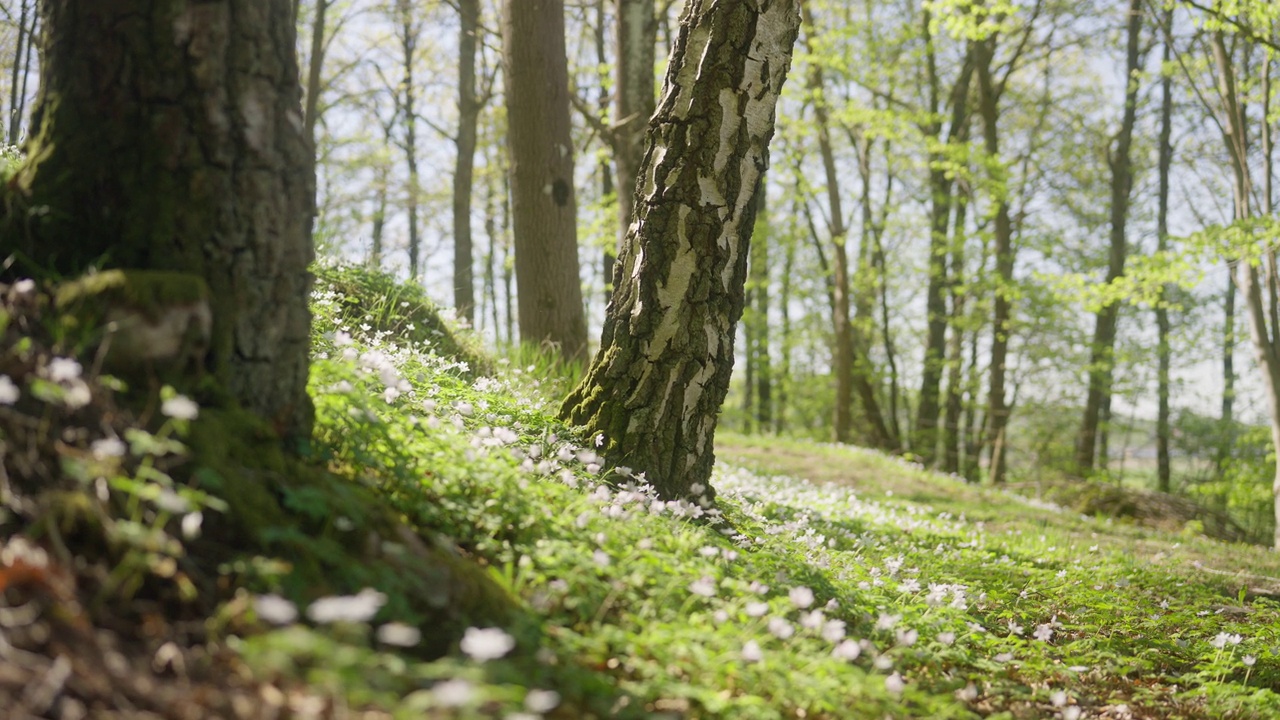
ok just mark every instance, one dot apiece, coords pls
pixel 376 302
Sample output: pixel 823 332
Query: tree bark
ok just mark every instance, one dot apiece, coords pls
pixel 542 192
pixel 1102 353
pixel 955 345
pixel 609 255
pixel 758 349
pixel 408 101
pixel 636 37
pixel 15 80
pixel 924 442
pixel 997 408
pixel 1163 352
pixel 169 135
pixel 315 65
pixel 844 355
pixel 464 300
pixel 662 372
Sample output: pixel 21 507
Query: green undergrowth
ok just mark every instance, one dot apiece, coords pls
pixel 880 591
pixel 826 582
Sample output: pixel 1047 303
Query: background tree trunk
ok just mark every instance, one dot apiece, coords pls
pixel 636 38
pixel 1102 354
pixel 1163 354
pixel 542 192
pixel 997 408
pixel 924 442
pixel 464 299
pixel 16 79
pixel 169 135
pixel 410 28
pixel 656 386
pixel 315 66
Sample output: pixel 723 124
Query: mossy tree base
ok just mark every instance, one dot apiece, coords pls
pixel 168 136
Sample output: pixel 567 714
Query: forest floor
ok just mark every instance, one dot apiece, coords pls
pixel 826 582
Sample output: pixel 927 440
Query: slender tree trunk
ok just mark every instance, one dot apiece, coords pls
pixel 1102 355
pixel 409 31
pixel 33 32
pixel 196 168
pixel 662 372
pixel 464 299
pixel 609 254
pixel 15 81
pixel 924 440
pixel 784 309
pixel 1163 352
pixel 314 70
pixel 636 37
pixel 845 356
pixel 543 207
pixel 491 232
pixel 1255 280
pixel 997 410
pixel 379 217
pixel 508 262
pixel 974 434
pixel 759 284
pixel 955 347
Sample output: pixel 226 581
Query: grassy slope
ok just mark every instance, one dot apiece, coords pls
pixel 875 591
pixel 938 588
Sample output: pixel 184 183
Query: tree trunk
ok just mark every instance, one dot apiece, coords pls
pixel 542 195
pixel 315 65
pixel 1102 354
pixel 955 346
pixel 464 299
pixel 662 372
pixel 1163 353
pixel 609 254
pixel 33 31
pixel 784 309
pixel 379 217
pixel 490 277
pixel 636 37
pixel 759 283
pixel 169 135
pixel 924 440
pixel 973 430
pixel 15 80
pixel 409 31
pixel 1251 277
pixel 873 286
pixel 845 358
pixel 997 410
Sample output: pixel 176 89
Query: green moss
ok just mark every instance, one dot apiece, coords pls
pixel 146 291
pixel 387 305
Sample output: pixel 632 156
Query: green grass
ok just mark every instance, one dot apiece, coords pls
pixel 829 582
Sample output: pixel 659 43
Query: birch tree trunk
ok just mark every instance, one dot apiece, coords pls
pixel 662 372
pixel 169 135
